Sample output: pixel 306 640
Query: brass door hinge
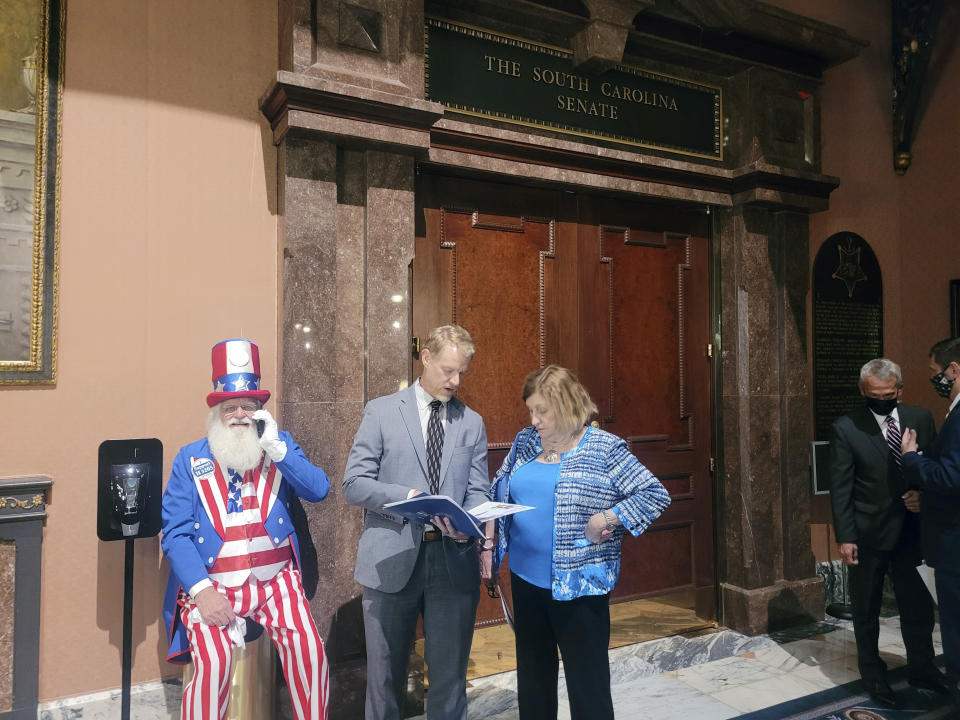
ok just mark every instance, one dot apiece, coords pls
pixel 415 346
pixel 709 350
pixel 713 465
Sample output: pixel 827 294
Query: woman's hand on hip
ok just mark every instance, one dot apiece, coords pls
pixel 487 573
pixel 596 529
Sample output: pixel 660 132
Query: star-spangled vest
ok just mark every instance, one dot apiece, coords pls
pixel 238 507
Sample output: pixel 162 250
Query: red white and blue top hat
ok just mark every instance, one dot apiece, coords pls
pixel 236 372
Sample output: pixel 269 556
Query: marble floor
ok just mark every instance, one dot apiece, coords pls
pixel 705 673
pixel 712 675
pixel 633 622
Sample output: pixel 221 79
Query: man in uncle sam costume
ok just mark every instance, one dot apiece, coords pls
pixel 231 544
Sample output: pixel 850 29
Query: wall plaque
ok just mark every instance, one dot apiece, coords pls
pixel 478 72
pixel 847 325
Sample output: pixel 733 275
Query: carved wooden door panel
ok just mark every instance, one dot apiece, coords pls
pixel 645 329
pixel 541 276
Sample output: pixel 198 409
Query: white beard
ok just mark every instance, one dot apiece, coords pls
pixel 234 449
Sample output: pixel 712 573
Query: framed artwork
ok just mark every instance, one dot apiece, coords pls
pixel 31 84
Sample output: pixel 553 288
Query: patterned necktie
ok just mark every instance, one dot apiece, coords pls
pixel 893 440
pixel 434 446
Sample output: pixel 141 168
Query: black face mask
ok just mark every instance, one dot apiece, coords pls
pixel 942 384
pixel 882 407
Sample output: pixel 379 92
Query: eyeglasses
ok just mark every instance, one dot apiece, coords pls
pixel 231 408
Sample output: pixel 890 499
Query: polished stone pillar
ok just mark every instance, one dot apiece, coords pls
pixel 769 574
pixel 348 244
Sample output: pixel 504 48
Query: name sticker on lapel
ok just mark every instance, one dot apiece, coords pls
pixel 204 467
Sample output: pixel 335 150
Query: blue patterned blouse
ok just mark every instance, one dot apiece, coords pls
pixel 601 474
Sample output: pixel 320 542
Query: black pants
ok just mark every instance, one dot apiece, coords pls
pixel 948 594
pixel 913 601
pixel 580 628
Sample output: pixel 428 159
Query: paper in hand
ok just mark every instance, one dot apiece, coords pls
pixel 926 574
pixel 492 510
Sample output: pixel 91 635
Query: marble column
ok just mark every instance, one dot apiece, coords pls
pixel 348 227
pixel 769 573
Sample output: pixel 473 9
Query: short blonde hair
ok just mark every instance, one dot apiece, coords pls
pixel 454 335
pixel 563 392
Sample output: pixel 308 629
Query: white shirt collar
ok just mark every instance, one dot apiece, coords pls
pixel 882 419
pixel 423 397
pixel 953 404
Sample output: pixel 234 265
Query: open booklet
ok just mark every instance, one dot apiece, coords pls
pixel 421 508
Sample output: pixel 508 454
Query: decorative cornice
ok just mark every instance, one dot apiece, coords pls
pixel 292 98
pixel 23 497
pixel 829 44
pixel 757 183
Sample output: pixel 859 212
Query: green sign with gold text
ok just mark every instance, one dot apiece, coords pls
pixel 481 73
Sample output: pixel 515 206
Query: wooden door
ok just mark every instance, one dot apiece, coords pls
pixel 644 335
pixel 616 291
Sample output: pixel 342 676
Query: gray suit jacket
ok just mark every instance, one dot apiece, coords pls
pixel 387 459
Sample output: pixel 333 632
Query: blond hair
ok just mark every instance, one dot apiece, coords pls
pixel 454 335
pixel 563 392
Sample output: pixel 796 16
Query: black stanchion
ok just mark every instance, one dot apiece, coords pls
pixel 128 507
pixel 127 629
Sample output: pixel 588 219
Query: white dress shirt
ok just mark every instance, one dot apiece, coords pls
pixel 882 421
pixel 423 407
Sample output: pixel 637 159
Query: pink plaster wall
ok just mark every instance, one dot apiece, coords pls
pixel 910 221
pixel 929 196
pixel 168 244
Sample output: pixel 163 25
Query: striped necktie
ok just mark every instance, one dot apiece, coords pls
pixel 434 446
pixel 893 440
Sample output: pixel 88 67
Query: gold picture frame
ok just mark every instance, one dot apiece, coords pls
pixel 31 88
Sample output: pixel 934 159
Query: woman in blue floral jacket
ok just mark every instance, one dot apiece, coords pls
pixel 586 487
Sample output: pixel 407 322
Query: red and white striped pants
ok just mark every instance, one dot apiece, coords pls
pixel 280 606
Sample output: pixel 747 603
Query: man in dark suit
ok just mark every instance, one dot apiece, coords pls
pixel 937 473
pixel 421 439
pixel 877 526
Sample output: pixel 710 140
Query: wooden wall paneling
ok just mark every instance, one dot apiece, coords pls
pixel 645 310
pixel 595 274
pixel 502 276
pixel 661 562
pixel 641 361
pixel 430 277
pixel 697 363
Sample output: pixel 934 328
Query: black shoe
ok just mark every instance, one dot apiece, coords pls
pixel 933 680
pixel 881 691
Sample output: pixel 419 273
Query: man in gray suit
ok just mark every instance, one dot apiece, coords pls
pixel 421 439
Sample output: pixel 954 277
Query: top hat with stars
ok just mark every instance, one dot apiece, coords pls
pixel 236 372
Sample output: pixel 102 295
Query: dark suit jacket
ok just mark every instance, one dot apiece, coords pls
pixel 937 473
pixel 865 483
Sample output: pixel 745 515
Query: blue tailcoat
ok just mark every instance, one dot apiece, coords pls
pixel 190 539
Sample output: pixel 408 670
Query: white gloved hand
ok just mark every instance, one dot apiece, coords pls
pixel 270 440
pixel 236 628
